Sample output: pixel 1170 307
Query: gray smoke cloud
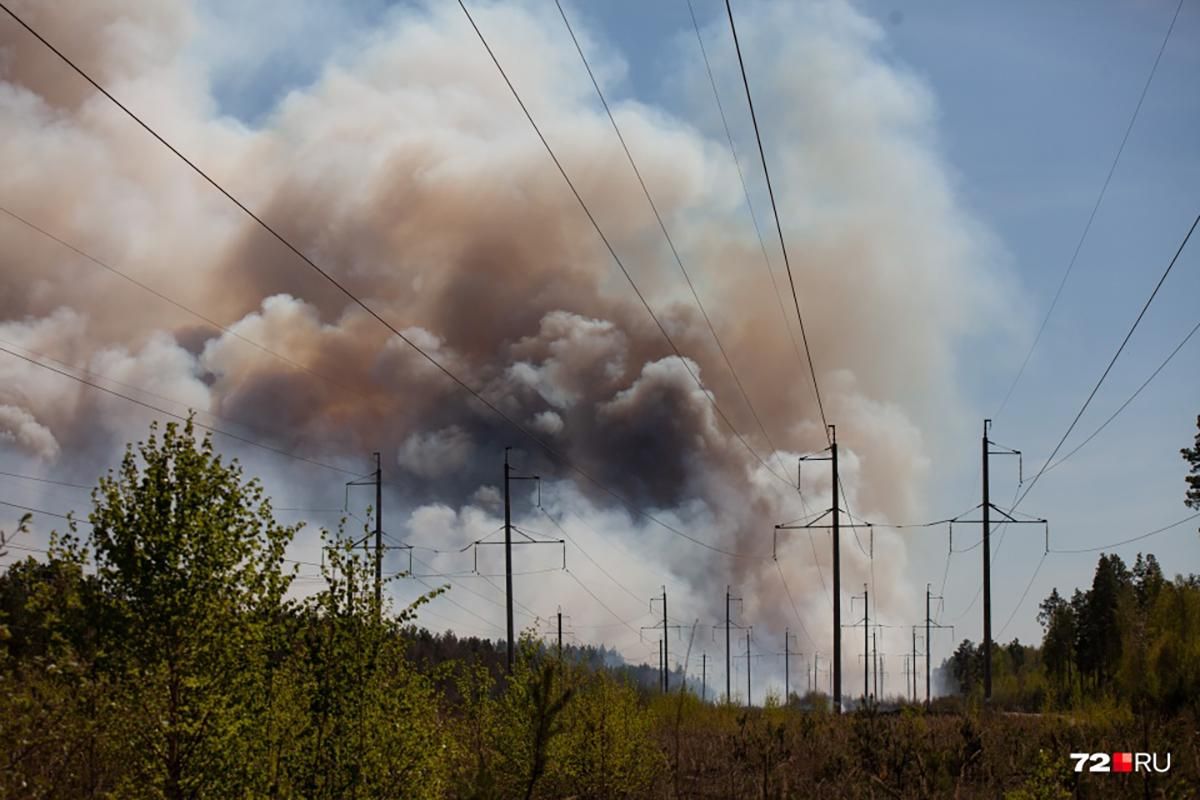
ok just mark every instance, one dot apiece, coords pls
pixel 405 168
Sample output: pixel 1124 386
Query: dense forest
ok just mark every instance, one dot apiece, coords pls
pixel 159 651
pixel 1131 640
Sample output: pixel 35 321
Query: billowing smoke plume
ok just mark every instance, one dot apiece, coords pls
pixel 405 168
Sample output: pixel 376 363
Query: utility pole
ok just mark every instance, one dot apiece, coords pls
pixel 866 626
pixel 665 677
pixel 929 626
pixel 913 663
pixel 875 663
pixel 837 576
pixel 703 677
pixel 787 672
pixel 866 623
pixel 749 636
pixel 557 630
pixel 749 700
pixel 375 478
pixel 880 674
pixel 987 571
pixel 986 519
pixel 928 646
pixel 508 569
pixel 836 526
pixel 729 600
pixel 378 535
pixel 660 663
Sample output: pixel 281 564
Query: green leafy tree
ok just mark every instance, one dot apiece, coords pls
pixel 189 562
pixel 606 747
pixel 526 720
pixel 53 703
pixel 363 722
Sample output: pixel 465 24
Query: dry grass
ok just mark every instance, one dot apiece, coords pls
pixel 774 753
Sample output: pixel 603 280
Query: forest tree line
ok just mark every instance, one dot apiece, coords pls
pixel 1130 640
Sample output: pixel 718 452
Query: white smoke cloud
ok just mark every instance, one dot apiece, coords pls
pixel 405 168
pixel 19 427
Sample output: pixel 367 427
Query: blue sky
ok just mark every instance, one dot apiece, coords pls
pixel 1032 101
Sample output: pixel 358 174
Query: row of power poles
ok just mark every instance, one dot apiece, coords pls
pixel 835 524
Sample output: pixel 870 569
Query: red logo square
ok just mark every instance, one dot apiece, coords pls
pixel 1122 762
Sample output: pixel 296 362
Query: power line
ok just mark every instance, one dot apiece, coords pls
pixel 762 154
pixel 45 480
pixel 603 605
pixel 1108 546
pixel 775 209
pixel 454 602
pixel 762 247
pixel 449 599
pixel 1113 545
pixel 419 579
pixel 612 250
pixel 795 610
pixel 1113 361
pixel 44 513
pixel 1130 399
pixel 205 319
pixel 96 376
pixel 1024 594
pixel 201 425
pixel 666 235
pixel 1092 216
pixel 595 563
pixel 476 394
pixel 745 189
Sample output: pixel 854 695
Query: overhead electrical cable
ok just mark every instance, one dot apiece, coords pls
pixel 795 610
pixel 1113 545
pixel 1045 466
pixel 603 605
pixel 762 154
pixel 201 425
pixel 762 244
pixel 97 377
pixel 670 241
pixel 737 162
pixel 775 210
pixel 45 480
pixel 1092 216
pixel 1128 400
pixel 1024 594
pixel 162 296
pixel 683 360
pixel 438 365
pixel 1112 361
pixel 637 598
